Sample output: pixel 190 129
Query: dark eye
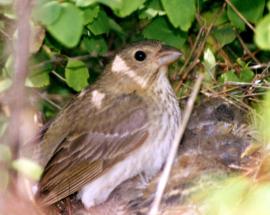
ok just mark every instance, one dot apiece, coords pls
pixel 140 55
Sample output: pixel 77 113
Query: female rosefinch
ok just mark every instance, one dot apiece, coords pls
pixel 119 127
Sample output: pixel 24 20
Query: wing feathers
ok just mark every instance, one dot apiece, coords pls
pixel 108 136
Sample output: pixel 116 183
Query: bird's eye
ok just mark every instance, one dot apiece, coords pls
pixel 140 56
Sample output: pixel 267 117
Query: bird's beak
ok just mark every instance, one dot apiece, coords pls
pixel 168 55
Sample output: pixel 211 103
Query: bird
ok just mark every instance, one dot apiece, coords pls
pixel 119 127
pixel 217 135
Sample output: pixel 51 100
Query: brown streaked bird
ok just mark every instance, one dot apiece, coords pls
pixel 121 126
pixel 217 135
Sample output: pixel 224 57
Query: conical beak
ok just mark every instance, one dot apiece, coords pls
pixel 168 55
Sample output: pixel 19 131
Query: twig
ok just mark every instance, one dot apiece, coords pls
pixel 17 97
pixel 179 134
pixel 240 15
pixel 247 49
pixel 199 47
pixel 45 97
pixel 59 76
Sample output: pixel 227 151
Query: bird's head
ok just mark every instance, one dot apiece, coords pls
pixel 143 61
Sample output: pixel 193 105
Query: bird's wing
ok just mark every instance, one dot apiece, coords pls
pixel 113 132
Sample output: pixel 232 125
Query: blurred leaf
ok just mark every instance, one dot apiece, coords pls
pixel 128 7
pixel 229 76
pixel 38 79
pixel 262 33
pixel 257 201
pixel 90 13
pixel 181 13
pixel 116 27
pixel 3 126
pixel 209 59
pixel 5 84
pixel 214 14
pixel 94 45
pixel 6 2
pixel 264 119
pixel 40 68
pixel 4 176
pixel 153 9
pixel 5 153
pixel 250 9
pixel 209 63
pixel 47 13
pixel 8 12
pixel 225 200
pixel 68 27
pixel 37 38
pixel 28 168
pixel 236 196
pixel 113 4
pixel 76 74
pixel 246 75
pixel 161 30
pixel 224 34
pixel 8 67
pixel 100 25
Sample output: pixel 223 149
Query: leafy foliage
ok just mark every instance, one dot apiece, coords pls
pixel 93 27
pixel 73 39
pixel 85 33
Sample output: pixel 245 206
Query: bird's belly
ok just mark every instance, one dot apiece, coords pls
pixel 148 159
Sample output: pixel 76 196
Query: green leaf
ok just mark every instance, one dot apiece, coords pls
pixel 94 45
pixel 115 27
pixel 39 71
pixel 6 2
pixel 4 182
pixel 100 25
pixel 224 34
pixel 229 76
pixel 128 7
pixel 38 79
pixel 113 4
pixel 47 13
pixel 5 153
pixel 214 14
pixel 68 27
pixel 5 84
pixel 37 38
pixel 160 29
pixel 3 127
pixel 76 74
pixel 250 9
pixel 257 201
pixel 262 33
pixel 209 60
pixel 181 13
pixel 152 10
pixel 263 119
pixel 246 75
pixel 227 197
pixel 28 168
pixel 90 13
pixel 8 67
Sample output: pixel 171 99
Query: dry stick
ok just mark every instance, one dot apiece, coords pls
pixel 17 99
pixel 179 134
pixel 247 49
pixel 240 15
